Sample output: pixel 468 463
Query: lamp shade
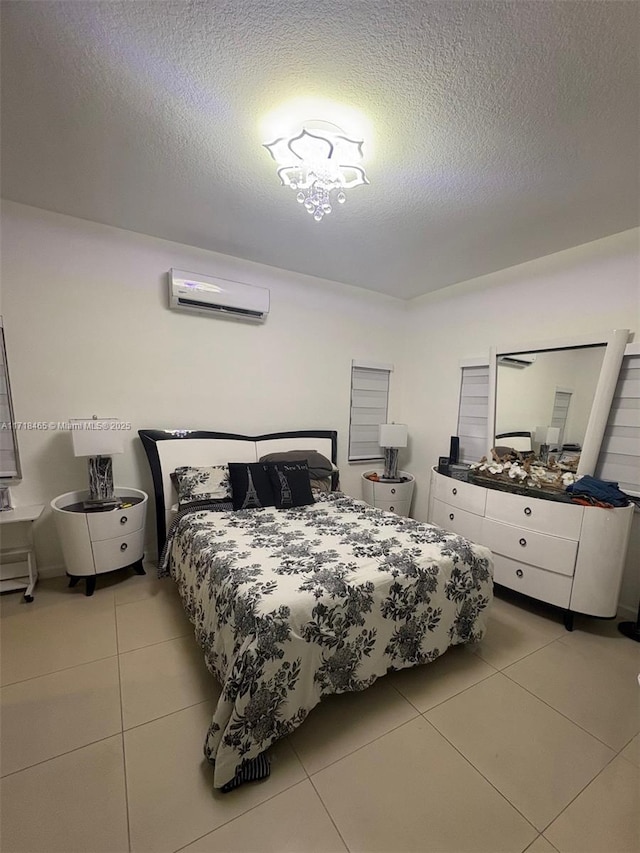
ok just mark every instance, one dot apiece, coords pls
pixel 393 435
pixel 96 437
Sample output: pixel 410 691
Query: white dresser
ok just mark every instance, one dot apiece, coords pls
pixel 565 554
pixel 94 542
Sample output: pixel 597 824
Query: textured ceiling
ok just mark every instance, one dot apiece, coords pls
pixel 500 131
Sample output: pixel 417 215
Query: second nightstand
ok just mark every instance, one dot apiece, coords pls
pixel 395 497
pixel 98 541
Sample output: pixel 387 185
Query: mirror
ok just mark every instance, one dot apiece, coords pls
pixel 557 393
pixel 9 458
pixel 543 399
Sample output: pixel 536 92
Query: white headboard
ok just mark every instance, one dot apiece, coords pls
pixel 169 449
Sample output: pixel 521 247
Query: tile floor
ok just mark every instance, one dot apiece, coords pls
pixel 528 741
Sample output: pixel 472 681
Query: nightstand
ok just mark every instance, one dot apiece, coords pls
pixel 395 497
pixel 96 541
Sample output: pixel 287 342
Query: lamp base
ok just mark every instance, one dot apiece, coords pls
pixel 390 463
pixel 101 480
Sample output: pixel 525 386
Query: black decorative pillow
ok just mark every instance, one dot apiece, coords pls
pixel 196 485
pixel 291 484
pixel 250 485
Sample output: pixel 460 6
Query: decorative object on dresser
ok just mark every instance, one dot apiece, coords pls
pixel 22 553
pixel 99 439
pixel 103 538
pixel 391 437
pixel 394 496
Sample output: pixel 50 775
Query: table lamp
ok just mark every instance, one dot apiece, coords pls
pixel 391 437
pixel 99 439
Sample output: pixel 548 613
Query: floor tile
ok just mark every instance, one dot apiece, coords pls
pixel 52 714
pixel 151 620
pixel 291 822
pixel 514 631
pixel 341 724
pixel 52 592
pixel 541 845
pixel 45 640
pixel 605 818
pixel 172 801
pixel 533 755
pixel 632 751
pixel 137 587
pixel 163 678
pixel 412 791
pixel 71 804
pixel 429 685
pixel 597 691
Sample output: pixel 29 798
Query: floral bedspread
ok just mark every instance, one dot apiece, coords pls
pixel 292 605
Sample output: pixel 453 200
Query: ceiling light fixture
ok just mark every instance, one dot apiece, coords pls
pixel 320 162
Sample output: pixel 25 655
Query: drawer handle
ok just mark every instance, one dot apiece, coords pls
pixel 123 547
pixel 519 573
pixel 451 516
pixel 392 508
pixel 123 519
pixel 393 491
pixel 454 491
pixel 523 542
pixel 527 510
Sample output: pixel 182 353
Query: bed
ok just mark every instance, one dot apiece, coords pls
pixel 290 605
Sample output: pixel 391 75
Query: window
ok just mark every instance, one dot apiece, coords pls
pixel 561 403
pixel 619 458
pixel 473 410
pixel 369 406
pixel 9 459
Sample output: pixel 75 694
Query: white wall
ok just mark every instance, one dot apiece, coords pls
pixel 586 290
pixel 88 331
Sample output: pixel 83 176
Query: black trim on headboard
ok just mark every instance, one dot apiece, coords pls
pixel 150 438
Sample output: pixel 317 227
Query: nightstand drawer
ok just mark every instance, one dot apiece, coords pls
pixel 538 583
pixel 399 507
pixel 109 554
pixel 538 549
pixel 458 521
pixel 116 522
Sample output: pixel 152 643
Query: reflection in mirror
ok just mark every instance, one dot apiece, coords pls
pixel 545 398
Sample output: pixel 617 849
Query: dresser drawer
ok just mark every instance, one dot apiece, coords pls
pixel 399 507
pixel 109 554
pixel 461 495
pixel 530 580
pixel 552 517
pixel 537 549
pixel 116 522
pixel 459 521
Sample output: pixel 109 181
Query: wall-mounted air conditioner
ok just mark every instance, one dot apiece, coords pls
pixel 516 360
pixel 205 294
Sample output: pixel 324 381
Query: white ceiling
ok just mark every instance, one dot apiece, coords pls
pixel 500 131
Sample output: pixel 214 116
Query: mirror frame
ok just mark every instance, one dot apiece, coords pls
pixel 615 342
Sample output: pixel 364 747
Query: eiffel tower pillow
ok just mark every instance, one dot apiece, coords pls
pixel 250 485
pixel 291 484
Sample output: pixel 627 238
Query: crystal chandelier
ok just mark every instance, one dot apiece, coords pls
pixel 320 162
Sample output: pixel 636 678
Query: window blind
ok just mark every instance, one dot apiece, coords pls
pixel 369 405
pixel 473 413
pixel 561 403
pixel 9 462
pixel 619 458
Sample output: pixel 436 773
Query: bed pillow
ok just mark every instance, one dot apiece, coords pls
pixel 319 466
pixel 250 485
pixel 196 485
pixel 291 484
